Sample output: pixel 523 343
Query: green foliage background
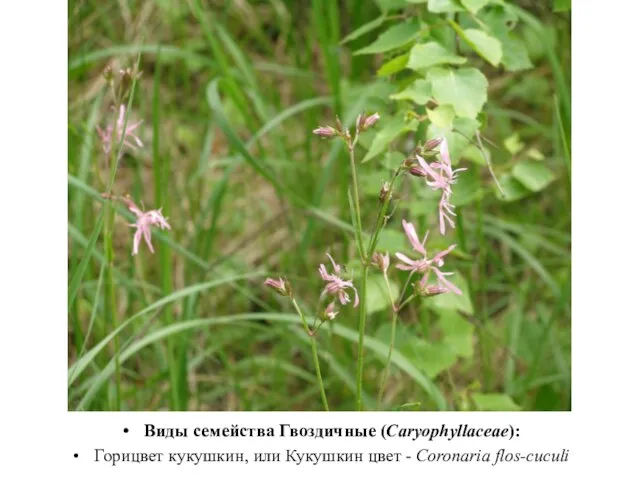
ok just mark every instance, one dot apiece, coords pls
pixel 229 93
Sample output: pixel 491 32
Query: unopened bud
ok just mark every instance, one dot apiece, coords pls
pixel 416 171
pixel 107 73
pixel 325 132
pixel 380 261
pixel 339 124
pixel 425 290
pixel 385 192
pixel 364 122
pixel 281 286
pixel 432 144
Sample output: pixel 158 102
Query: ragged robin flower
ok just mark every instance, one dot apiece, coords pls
pixel 336 286
pixel 425 265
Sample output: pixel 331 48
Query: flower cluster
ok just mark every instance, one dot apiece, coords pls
pixel 144 222
pixel 124 134
pixel 439 175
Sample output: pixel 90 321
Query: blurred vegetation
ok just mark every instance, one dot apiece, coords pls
pixel 229 93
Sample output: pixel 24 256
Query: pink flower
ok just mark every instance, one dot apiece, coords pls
pixel 381 261
pixel 331 312
pixel 144 223
pixel 440 176
pixel 281 286
pixel 106 135
pixel 336 285
pixel 425 264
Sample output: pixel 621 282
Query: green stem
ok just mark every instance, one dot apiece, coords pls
pixel 316 360
pixel 385 374
pixel 381 216
pixel 361 328
pixel 356 195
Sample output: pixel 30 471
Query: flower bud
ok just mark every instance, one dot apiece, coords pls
pixel 432 144
pixel 365 122
pixel 339 124
pixel 380 261
pixel 416 171
pixel 325 132
pixel 282 287
pixel 385 192
pixel 425 290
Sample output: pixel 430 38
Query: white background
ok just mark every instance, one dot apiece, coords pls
pixel 40 436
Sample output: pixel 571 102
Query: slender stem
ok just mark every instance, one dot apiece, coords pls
pixel 361 328
pixel 314 350
pixel 356 195
pixel 381 216
pixel 385 374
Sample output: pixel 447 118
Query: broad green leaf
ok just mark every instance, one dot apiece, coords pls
pixel 394 37
pixel 391 240
pixel 457 141
pixel 387 134
pixel 533 175
pixel 366 28
pixel 394 65
pixel 419 92
pixel 442 6
pixel 442 116
pixel 457 333
pixel 451 301
pixel 468 189
pixel 403 334
pixel 495 402
pixel 474 5
pixel 512 188
pixel 377 295
pixel 501 23
pixel 431 358
pixel 465 89
pixel 473 154
pixel 425 55
pixel 485 45
pixel 515 56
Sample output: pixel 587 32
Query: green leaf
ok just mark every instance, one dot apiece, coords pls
pixel 443 6
pixel 425 55
pixel 495 402
pixel 468 189
pixel 394 65
pixel 366 28
pixel 387 134
pixel 501 22
pixel 473 154
pixel 431 358
pixel 457 333
pixel 485 45
pixel 474 5
pixel 451 301
pixel 419 92
pixel 512 188
pixel 442 116
pixel 395 37
pixel 377 295
pixel 465 89
pixel 533 175
pixel 457 141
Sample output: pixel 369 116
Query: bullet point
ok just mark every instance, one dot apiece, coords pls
pixel 75 455
pixel 126 430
